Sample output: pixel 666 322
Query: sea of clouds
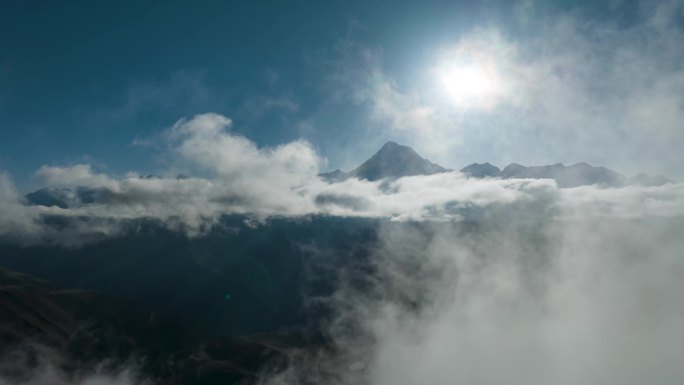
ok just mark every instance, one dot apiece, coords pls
pixel 476 281
pixel 231 175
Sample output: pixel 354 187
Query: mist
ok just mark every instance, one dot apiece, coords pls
pixel 529 299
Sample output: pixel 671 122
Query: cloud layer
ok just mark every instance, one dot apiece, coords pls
pixel 232 175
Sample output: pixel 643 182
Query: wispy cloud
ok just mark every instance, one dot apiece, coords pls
pixel 77 175
pixel 230 174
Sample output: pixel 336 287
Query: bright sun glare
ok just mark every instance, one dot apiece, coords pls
pixel 469 85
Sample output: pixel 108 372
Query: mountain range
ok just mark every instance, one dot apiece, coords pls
pixel 395 161
pixel 391 161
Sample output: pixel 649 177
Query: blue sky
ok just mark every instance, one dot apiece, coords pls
pixel 90 82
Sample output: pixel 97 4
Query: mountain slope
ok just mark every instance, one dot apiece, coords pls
pixel 649 181
pixel 579 174
pixel 481 170
pixel 391 161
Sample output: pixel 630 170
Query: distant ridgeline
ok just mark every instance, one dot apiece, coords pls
pixel 396 161
pixel 391 161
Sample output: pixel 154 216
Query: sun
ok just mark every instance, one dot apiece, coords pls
pixel 469 85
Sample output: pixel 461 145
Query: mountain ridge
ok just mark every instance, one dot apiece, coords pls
pixel 392 160
pixel 575 175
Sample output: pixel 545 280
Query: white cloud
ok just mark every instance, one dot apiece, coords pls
pixel 238 177
pixel 17 221
pixel 77 175
pixel 266 177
